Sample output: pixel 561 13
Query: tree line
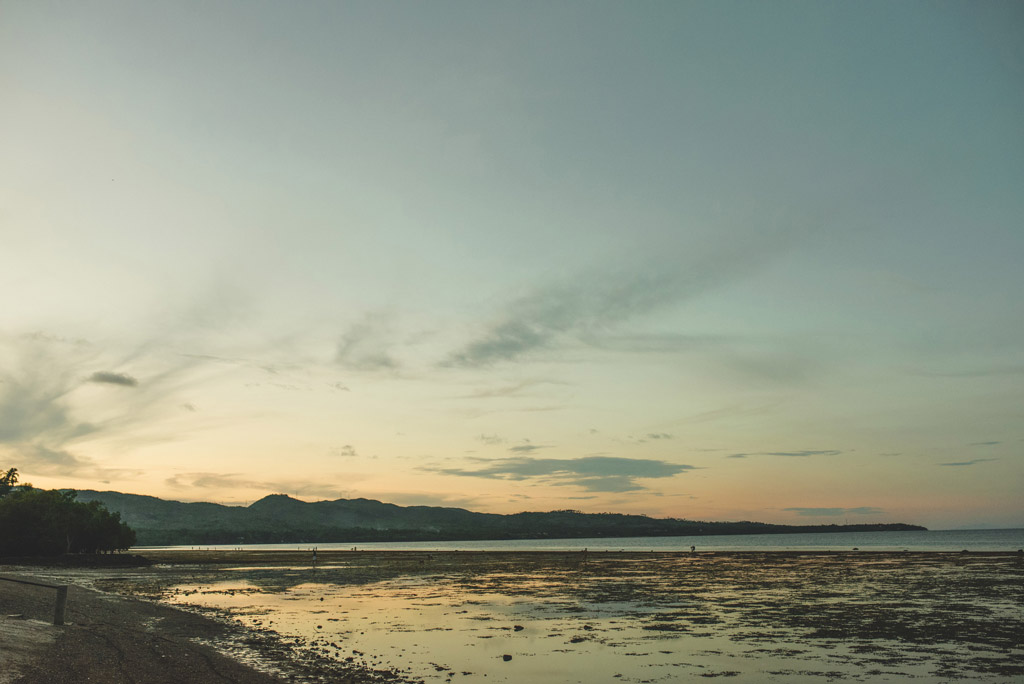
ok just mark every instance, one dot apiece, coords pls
pixel 43 522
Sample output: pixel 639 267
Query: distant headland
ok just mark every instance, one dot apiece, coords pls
pixel 279 518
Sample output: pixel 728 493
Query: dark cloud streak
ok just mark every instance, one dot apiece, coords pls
pixel 861 510
pixel 109 378
pixel 589 305
pixel 527 448
pixel 592 473
pixel 789 454
pixel 971 462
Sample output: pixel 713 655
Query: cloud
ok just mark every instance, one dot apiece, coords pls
pixel 269 368
pixel 347 451
pixel 592 473
pixel 362 347
pixel 44 417
pixel 971 462
pixel 667 343
pixel 658 435
pixel 35 407
pixel 426 499
pixel 476 412
pixel 862 510
pixel 236 481
pixel 762 359
pixel 588 306
pixel 792 454
pixel 491 439
pixel 43 460
pixel 504 342
pixel 105 377
pixel 983 443
pixel 507 390
pixel 527 448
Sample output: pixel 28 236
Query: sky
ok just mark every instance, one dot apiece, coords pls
pixel 707 260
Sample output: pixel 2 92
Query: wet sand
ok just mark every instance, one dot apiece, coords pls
pixel 111 639
pixel 748 616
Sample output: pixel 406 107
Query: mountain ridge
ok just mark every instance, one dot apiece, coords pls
pixel 279 518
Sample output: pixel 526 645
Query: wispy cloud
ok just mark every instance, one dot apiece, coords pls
pixel 815 512
pixel 588 306
pixel 527 448
pixel 106 377
pixel 734 411
pixel 592 473
pixel 984 443
pixel 790 454
pixel 43 419
pixel 42 460
pixel 426 499
pixel 364 346
pixel 34 408
pixel 973 461
pixel 512 390
pixel 236 481
pixel 657 343
pixel 266 367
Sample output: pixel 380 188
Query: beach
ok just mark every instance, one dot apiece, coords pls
pixel 112 639
pixel 264 616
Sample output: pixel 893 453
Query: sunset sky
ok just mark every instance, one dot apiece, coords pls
pixel 710 260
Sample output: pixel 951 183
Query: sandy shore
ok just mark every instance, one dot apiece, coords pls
pixel 113 639
pixel 108 639
pixel 889 605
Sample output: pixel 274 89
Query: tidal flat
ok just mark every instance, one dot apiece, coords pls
pixel 558 617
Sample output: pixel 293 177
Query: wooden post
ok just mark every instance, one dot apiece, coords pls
pixel 62 596
pixel 62 602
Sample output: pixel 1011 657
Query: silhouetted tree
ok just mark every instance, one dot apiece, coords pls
pixel 8 480
pixel 50 522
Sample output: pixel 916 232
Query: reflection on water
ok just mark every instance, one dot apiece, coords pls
pixel 653 618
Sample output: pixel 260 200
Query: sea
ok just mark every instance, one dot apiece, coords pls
pixel 916 540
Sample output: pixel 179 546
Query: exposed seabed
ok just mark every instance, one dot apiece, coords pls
pixel 553 617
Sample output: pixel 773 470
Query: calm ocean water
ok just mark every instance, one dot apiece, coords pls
pixel 930 540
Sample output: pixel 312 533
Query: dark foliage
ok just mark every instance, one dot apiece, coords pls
pixel 39 522
pixel 8 480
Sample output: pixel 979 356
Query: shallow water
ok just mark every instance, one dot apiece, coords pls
pixel 914 540
pixel 642 618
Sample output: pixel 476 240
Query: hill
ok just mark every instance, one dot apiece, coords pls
pixel 279 518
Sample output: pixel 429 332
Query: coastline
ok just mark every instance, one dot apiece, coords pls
pixel 123 629
pixel 117 639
